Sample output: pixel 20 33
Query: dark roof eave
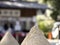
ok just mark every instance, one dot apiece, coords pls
pixel 22 5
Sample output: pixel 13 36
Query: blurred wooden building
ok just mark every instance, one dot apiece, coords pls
pixel 23 10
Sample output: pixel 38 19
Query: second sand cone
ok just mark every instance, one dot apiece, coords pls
pixel 35 37
pixel 8 39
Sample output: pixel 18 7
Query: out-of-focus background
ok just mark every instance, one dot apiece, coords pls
pixel 19 16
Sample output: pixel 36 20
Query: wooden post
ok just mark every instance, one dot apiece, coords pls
pixel 49 35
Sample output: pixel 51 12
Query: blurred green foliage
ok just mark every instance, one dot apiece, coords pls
pixel 56 11
pixel 44 23
pixel 45 26
pixel 56 6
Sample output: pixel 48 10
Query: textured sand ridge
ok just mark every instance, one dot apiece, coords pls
pixel 8 39
pixel 35 37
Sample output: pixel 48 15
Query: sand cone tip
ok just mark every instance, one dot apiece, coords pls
pixel 35 37
pixel 8 39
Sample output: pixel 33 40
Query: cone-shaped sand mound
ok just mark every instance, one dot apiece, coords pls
pixel 35 37
pixel 8 39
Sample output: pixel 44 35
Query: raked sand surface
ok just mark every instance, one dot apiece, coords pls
pixel 8 39
pixel 35 37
